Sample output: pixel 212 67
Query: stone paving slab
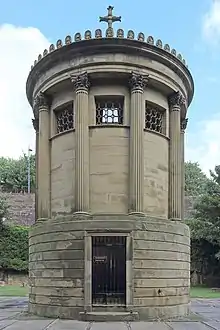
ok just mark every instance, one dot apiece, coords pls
pixel 23 325
pixel 4 324
pixel 213 324
pixel 13 316
pixel 146 326
pixel 74 325
pixel 8 315
pixel 188 326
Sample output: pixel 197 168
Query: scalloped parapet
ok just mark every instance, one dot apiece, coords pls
pixel 68 40
pixel 109 33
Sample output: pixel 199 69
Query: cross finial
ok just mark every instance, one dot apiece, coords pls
pixel 110 18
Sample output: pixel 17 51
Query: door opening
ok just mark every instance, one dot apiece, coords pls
pixel 109 270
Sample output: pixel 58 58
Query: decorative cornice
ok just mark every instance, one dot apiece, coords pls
pixel 80 81
pixel 101 45
pixel 119 34
pixel 176 99
pixel 183 124
pixel 40 101
pixel 138 81
pixel 35 123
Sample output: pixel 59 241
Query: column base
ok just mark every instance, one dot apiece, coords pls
pixel 42 219
pixel 175 219
pixel 137 214
pixel 81 213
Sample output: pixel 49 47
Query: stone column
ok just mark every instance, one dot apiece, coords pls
pixel 183 125
pixel 81 85
pixel 43 162
pixel 175 176
pixel 36 127
pixel 137 115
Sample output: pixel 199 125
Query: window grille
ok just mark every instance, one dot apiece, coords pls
pixel 109 112
pixel 65 119
pixel 154 118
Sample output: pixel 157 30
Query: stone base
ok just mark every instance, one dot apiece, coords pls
pixel 157 282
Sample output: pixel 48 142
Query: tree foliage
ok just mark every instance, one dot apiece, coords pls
pixel 14 173
pixel 206 224
pixel 14 248
pixel 205 227
pixel 195 180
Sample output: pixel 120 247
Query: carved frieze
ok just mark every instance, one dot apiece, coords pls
pixel 183 124
pixel 176 99
pixel 138 81
pixel 80 81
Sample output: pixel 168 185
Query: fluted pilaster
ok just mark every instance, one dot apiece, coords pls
pixel 136 203
pixel 81 86
pixel 183 125
pixel 175 176
pixel 36 127
pixel 43 157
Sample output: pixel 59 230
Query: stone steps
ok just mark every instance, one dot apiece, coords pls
pixel 109 316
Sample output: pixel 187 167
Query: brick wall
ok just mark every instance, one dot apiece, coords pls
pixel 21 208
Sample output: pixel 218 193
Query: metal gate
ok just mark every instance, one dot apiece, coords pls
pixel 109 270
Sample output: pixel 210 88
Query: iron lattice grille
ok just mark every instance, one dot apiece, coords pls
pixel 154 119
pixel 65 119
pixel 109 270
pixel 109 112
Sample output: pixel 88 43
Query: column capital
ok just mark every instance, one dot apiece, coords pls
pixel 138 81
pixel 35 123
pixel 183 124
pixel 176 99
pixel 80 81
pixel 40 101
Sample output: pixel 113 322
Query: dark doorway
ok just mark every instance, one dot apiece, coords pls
pixel 109 270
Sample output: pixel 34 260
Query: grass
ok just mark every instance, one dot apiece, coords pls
pixel 203 292
pixel 19 291
pixel 13 291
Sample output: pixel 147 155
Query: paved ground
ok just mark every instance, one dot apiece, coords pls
pixel 205 316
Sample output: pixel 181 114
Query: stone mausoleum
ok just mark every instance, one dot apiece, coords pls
pixel 109 238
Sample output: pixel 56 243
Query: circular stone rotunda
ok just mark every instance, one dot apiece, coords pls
pixel 109 240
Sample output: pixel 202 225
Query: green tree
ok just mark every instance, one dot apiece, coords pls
pixel 205 228
pixel 207 216
pixel 195 180
pixel 14 173
pixel 14 248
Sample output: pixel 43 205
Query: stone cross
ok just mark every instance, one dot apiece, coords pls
pixel 110 18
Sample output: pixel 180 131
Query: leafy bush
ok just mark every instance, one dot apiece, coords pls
pixel 14 248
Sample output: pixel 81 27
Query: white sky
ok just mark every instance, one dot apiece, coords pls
pixel 17 55
pixel 204 145
pixel 21 45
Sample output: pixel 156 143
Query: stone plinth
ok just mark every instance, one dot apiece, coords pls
pixel 160 272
